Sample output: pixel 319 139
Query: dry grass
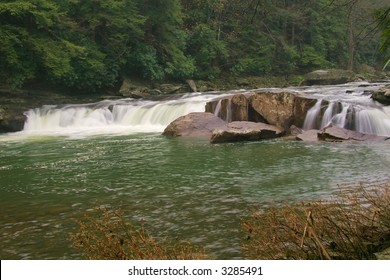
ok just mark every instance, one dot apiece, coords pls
pixel 104 234
pixel 355 225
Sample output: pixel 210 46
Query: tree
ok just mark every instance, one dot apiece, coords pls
pixel 165 40
pixel 384 21
pixel 29 46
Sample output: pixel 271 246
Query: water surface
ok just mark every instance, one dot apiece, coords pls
pixel 185 189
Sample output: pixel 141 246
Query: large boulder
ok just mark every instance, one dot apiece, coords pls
pixel 329 77
pixel 382 95
pixel 245 131
pixel 194 125
pixel 281 109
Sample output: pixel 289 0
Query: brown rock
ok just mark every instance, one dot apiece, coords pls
pixel 282 109
pixel 194 125
pixel 336 134
pixel 245 131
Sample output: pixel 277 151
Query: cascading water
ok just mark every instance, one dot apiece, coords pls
pixel 348 106
pixel 354 111
pixel 120 116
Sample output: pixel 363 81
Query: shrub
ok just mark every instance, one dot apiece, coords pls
pixel 352 226
pixel 105 234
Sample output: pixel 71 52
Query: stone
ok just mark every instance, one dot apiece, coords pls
pixel 133 89
pixel 308 136
pixel 329 77
pixel 245 131
pixel 294 130
pixel 382 95
pixel 170 88
pixel 337 134
pixel 194 125
pixel 282 109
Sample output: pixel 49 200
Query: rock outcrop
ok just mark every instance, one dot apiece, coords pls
pixel 245 131
pixel 281 109
pixel 194 125
pixel 382 95
pixel 328 77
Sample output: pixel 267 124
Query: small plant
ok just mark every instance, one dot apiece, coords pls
pixel 352 226
pixel 105 235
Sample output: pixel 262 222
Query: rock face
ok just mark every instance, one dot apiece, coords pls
pixel 382 95
pixel 280 109
pixel 11 120
pixel 195 125
pixel 329 77
pixel 245 131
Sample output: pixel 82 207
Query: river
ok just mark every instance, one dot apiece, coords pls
pixel 72 158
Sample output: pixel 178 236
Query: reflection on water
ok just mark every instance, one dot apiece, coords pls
pixel 178 188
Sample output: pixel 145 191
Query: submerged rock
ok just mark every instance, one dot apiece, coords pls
pixel 195 125
pixel 245 131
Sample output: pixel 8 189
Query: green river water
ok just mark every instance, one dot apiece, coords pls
pixel 184 189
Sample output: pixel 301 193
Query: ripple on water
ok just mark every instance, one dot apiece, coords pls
pixel 181 189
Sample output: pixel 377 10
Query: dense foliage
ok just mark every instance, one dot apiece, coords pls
pixel 91 44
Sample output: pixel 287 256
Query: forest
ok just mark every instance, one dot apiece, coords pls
pixel 93 44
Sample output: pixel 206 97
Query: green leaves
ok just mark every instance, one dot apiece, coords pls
pixel 90 44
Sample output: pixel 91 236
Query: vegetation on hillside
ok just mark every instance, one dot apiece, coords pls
pixel 91 44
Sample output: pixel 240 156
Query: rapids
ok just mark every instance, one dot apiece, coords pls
pixel 348 106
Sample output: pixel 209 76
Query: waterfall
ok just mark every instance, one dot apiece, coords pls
pixel 121 116
pixel 217 111
pixel 365 119
pixel 229 111
pixel 312 115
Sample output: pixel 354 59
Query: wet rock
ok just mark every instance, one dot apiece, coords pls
pixel 11 120
pixel 336 134
pixel 382 95
pixel 281 109
pixel 329 77
pixel 294 130
pixel 308 136
pixel 245 131
pixel 194 125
